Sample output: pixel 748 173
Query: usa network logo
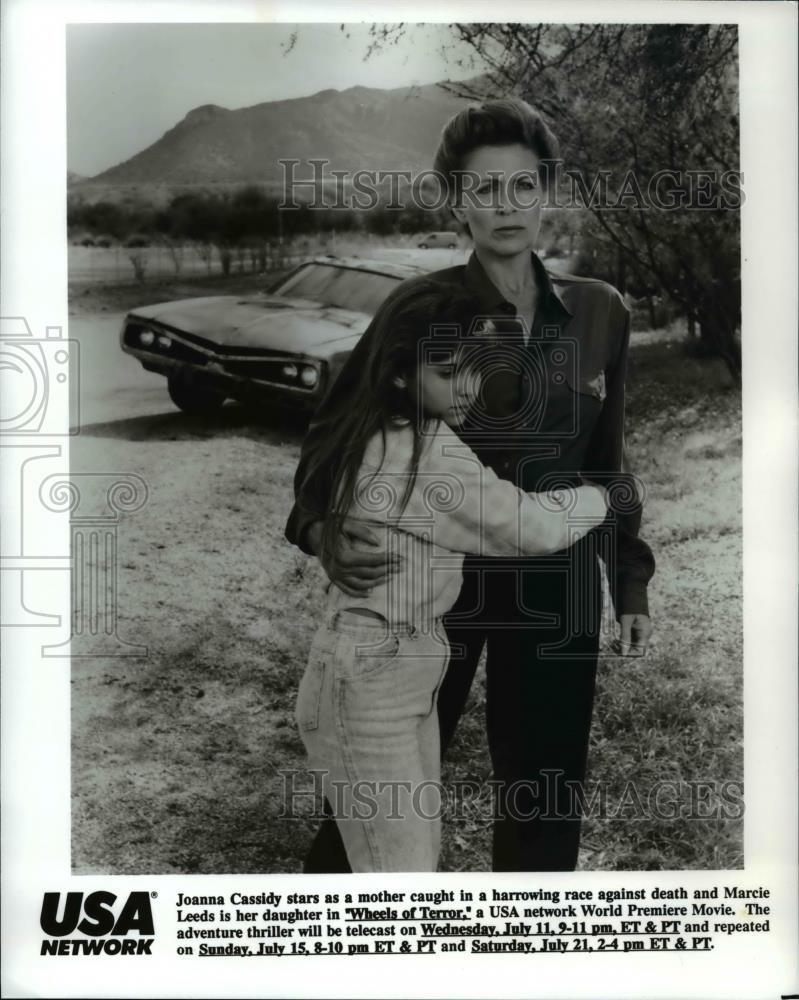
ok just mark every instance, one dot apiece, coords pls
pixel 107 926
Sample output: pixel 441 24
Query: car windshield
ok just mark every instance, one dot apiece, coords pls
pixel 345 288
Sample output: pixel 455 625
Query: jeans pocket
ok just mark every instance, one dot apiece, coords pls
pixel 309 695
pixel 371 654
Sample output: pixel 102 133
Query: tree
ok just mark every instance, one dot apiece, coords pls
pixel 176 250
pixel 138 259
pixel 205 252
pixel 635 101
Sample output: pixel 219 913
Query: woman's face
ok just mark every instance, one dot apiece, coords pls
pixel 501 201
pixel 444 388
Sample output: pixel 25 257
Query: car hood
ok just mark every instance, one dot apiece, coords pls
pixel 269 321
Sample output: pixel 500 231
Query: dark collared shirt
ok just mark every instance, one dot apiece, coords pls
pixel 552 406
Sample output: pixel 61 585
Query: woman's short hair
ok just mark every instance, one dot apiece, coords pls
pixel 499 122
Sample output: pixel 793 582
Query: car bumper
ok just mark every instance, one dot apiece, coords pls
pixel 245 389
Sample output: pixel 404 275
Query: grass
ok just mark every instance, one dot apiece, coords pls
pixel 178 755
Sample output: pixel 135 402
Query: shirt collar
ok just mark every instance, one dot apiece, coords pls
pixel 492 299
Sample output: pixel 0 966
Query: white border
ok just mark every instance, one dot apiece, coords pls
pixel 35 786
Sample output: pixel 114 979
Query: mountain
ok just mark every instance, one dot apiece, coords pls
pixel 358 128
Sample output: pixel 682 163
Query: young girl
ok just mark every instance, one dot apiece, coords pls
pixel 366 707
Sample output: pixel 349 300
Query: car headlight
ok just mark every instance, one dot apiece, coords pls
pixel 309 376
pixel 147 337
pixel 290 371
pixel 165 342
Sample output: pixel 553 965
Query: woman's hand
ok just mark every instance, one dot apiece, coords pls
pixel 636 631
pixel 358 562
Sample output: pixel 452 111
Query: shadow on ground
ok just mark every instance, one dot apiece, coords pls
pixel 269 425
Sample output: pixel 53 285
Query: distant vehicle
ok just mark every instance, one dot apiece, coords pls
pixel 284 345
pixel 448 240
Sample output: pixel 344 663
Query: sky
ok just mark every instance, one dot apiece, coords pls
pixel 127 84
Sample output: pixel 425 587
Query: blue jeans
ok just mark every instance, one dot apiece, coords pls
pixel 538 708
pixel 367 714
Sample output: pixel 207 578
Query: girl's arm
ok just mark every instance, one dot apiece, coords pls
pixel 462 505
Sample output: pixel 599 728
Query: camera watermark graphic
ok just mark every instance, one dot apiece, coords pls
pixel 94 563
pixel 41 376
pixel 40 404
pixel 546 524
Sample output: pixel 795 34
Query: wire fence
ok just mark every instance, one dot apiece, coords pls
pixel 128 264
pixel 117 264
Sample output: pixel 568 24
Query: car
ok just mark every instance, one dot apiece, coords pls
pixel 448 240
pixel 281 346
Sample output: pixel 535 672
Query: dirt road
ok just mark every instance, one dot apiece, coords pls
pixel 113 385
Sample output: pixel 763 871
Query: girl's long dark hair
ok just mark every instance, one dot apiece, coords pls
pixel 377 401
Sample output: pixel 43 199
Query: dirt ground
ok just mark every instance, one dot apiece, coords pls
pixel 178 755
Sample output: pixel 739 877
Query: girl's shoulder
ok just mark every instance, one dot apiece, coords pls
pixel 389 446
pixel 392 448
pixel 445 450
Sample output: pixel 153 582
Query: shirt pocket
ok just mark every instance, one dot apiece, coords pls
pixel 584 393
pixel 589 383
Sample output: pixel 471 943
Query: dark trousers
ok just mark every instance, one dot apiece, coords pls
pixel 540 619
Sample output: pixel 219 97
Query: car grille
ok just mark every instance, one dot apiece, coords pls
pixel 266 371
pixel 244 362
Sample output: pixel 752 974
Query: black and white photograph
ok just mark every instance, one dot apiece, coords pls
pixel 259 257
pixel 398 436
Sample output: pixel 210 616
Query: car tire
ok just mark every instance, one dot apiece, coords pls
pixel 194 399
pixel 422 246
pixel 452 246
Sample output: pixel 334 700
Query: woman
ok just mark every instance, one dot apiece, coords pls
pixel 366 707
pixel 552 406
